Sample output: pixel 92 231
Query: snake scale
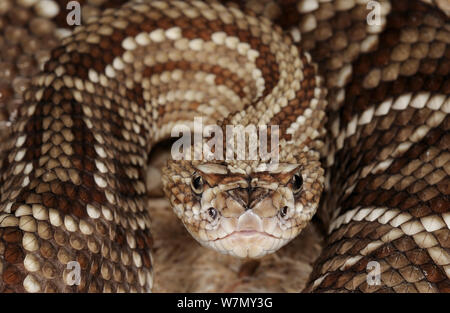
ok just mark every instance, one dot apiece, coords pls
pixel 363 112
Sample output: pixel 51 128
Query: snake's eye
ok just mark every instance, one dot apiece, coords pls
pixel 212 212
pixel 297 183
pixel 284 211
pixel 197 184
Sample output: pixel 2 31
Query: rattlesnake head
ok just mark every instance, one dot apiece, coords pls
pixel 245 213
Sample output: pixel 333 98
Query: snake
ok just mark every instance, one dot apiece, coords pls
pixel 358 92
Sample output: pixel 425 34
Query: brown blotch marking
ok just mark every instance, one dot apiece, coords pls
pixel 82 72
pixel 12 235
pixel 98 196
pixel 117 36
pixel 34 126
pixel 140 240
pixel 79 210
pixel 404 243
pixel 330 280
pixel 431 76
pixel 144 245
pixel 433 272
pixel 71 191
pixel 290 16
pixel 146 259
pixel 93 269
pixel 49 200
pixel 361 265
pixel 444 286
pixel 64 205
pixel 13 254
pixel 124 183
pixel 83 260
pixel 120 236
pixel 285 117
pixel 86 61
pixel 400 199
pixel 67 197
pixel 418 256
pixel 87 178
pixel 71 69
pixel 76 159
pixel 441 205
pixel 12 275
pixel 343 279
pixel 421 210
pixel 82 162
pixel 84 194
pixel 359 245
pixel 383 251
pixel 57 188
pixel 47 250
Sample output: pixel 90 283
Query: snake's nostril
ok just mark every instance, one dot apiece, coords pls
pixel 212 212
pixel 283 211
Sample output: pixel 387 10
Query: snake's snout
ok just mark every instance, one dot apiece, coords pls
pixel 249 221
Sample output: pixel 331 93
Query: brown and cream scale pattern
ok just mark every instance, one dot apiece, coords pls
pixel 387 154
pixel 72 182
pixel 388 160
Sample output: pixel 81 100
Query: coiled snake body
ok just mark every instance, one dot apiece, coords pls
pixel 363 116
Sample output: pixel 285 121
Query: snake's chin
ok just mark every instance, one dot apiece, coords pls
pixel 247 244
pixel 246 236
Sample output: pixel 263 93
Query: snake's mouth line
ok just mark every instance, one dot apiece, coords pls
pixel 246 233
